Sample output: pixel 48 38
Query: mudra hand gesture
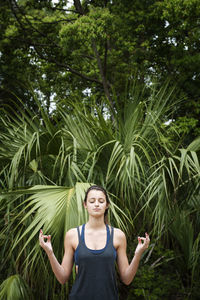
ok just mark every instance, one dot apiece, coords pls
pixel 143 244
pixel 96 202
pixel 45 242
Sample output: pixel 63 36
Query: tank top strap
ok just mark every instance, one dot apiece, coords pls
pixel 111 242
pixel 79 235
pixel 112 233
pixel 82 235
pixel 108 231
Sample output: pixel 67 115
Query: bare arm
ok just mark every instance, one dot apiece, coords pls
pixel 62 271
pixel 127 271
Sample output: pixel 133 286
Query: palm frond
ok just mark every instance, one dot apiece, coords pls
pixel 15 287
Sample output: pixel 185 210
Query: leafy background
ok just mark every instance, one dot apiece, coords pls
pixel 102 92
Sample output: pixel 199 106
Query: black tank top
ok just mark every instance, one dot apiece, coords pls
pixel 96 271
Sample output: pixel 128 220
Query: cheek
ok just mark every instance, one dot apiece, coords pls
pixel 88 205
pixel 105 205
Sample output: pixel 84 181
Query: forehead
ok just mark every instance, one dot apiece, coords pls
pixel 96 194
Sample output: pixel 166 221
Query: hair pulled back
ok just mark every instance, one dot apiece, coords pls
pixel 99 188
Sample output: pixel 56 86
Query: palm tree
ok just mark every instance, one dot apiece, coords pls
pixel 49 161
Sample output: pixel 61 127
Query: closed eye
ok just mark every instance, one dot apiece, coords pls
pixel 101 200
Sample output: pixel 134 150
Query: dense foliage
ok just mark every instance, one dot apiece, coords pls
pixel 62 49
pixel 84 99
pixel 152 180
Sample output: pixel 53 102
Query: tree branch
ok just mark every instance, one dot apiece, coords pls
pixel 105 58
pixel 29 23
pixel 102 73
pixel 65 66
pixel 78 6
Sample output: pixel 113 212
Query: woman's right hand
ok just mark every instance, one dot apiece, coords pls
pixel 45 242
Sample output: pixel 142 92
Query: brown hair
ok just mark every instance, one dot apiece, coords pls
pixel 99 188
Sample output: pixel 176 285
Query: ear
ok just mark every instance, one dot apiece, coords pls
pixel 84 204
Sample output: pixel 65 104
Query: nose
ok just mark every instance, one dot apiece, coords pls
pixel 96 203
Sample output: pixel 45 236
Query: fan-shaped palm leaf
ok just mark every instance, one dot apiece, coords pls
pixel 14 287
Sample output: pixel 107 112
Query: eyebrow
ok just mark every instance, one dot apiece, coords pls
pixel 93 198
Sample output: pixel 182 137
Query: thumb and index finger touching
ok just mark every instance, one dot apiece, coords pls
pixel 42 236
pixel 144 240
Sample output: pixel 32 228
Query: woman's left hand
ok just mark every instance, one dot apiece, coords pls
pixel 143 244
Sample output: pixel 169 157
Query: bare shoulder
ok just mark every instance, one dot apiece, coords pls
pixel 119 237
pixel 71 233
pixel 119 233
pixel 71 238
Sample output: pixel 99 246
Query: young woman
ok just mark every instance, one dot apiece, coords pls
pixel 94 247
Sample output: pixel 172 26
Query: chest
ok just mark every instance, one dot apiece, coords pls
pixel 95 240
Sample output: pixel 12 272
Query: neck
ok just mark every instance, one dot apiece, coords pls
pixel 96 222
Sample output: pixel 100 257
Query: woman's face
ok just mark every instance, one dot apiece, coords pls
pixel 96 203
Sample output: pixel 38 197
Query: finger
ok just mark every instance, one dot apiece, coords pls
pixel 139 240
pixel 145 242
pixel 41 233
pixel 45 236
pixel 147 236
pixel 143 239
pixel 42 237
